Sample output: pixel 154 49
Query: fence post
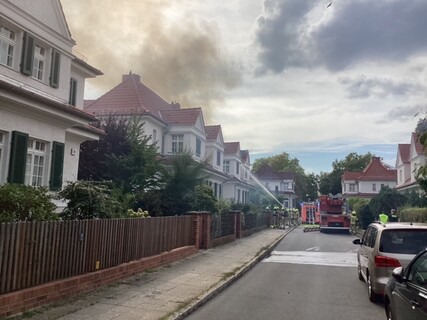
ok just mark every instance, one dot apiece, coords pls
pixel 237 224
pixel 201 228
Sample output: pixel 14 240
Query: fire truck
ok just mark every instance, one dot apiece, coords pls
pixel 310 213
pixel 333 213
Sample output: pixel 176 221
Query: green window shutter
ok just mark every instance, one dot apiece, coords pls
pixel 73 91
pixel 18 157
pixel 54 68
pixel 57 166
pixel 27 54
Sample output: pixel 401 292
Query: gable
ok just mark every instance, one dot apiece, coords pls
pixel 403 151
pixel 48 12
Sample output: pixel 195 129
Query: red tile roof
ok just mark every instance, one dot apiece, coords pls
pixel 231 147
pixel 186 117
pixel 212 132
pixel 404 150
pixel 130 97
pixel 266 172
pixel 374 171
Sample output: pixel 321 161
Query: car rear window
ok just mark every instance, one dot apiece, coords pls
pixel 404 241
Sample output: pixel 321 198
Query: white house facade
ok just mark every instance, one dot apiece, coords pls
pixel 370 181
pixel 410 157
pixel 175 130
pixel 42 122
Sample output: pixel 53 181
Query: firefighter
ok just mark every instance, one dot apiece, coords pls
pixel 383 217
pixel 353 222
pixel 393 216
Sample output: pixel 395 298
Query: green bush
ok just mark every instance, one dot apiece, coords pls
pixel 94 200
pixel 25 203
pixel 413 215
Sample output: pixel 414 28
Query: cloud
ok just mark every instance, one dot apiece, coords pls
pixel 180 57
pixel 306 33
pixel 365 87
pixel 404 113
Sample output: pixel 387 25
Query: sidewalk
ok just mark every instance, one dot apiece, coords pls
pixel 169 292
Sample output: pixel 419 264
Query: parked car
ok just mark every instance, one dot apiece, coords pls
pixel 405 295
pixel 384 247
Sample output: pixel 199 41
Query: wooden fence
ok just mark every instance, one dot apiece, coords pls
pixel 34 253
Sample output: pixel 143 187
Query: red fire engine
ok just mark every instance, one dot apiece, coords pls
pixel 310 213
pixel 333 214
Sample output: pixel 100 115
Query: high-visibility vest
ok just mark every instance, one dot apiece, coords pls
pixel 383 218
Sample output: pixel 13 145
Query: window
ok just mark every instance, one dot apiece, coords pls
pixel 7 45
pixel 374 187
pixel 218 158
pixel 237 168
pixel 35 163
pixel 352 187
pixel 227 166
pixel 154 138
pixel 177 143
pixel 39 62
pixel 73 92
pixel 198 147
pixel 286 186
pixel 418 272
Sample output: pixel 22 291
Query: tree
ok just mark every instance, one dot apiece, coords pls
pixel 94 162
pixel 421 173
pixel 180 178
pixel 203 199
pixel 386 200
pixel 331 182
pixel 283 163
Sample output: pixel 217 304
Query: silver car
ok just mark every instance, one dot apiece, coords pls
pixel 384 247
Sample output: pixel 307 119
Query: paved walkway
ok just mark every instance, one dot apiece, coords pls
pixel 169 292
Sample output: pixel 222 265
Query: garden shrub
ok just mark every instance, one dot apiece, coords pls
pixel 25 203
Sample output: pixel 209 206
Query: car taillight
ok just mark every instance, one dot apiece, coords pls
pixel 386 262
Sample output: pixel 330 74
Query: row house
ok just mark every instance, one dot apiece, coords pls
pixel 278 184
pixel 410 157
pixel 370 181
pixel 42 81
pixel 174 130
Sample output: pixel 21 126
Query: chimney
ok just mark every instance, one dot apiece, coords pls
pixel 131 76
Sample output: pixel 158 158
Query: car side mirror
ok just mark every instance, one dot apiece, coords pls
pixel 357 241
pixel 398 275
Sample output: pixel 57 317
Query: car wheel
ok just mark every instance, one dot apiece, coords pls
pixel 359 272
pixel 373 297
pixel 388 312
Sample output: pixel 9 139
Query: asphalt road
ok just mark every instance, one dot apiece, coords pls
pixel 308 276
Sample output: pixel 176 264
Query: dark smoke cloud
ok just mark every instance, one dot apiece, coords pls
pixel 353 31
pixel 179 60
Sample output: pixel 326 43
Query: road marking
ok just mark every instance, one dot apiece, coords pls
pixel 313 249
pixel 338 259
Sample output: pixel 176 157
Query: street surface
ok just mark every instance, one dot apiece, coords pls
pixel 308 276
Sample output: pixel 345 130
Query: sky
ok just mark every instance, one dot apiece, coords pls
pixel 315 79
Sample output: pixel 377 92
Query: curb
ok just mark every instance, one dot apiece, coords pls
pixel 221 287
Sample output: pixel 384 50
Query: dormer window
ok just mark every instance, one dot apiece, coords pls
pixel 7 45
pixel 177 143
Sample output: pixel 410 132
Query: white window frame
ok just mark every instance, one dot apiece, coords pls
pixel 226 166
pixel 177 143
pixel 374 187
pixel 7 45
pixel 198 146
pixel 218 158
pixel 39 62
pixel 154 137
pixel 36 163
pixel 351 187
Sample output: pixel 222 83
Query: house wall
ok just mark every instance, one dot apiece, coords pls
pixel 367 186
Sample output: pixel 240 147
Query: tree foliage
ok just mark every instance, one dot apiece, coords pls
pixel 180 178
pixel 304 184
pixel 331 182
pixel 124 155
pixel 203 199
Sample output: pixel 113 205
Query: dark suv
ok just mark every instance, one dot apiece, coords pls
pixel 384 247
